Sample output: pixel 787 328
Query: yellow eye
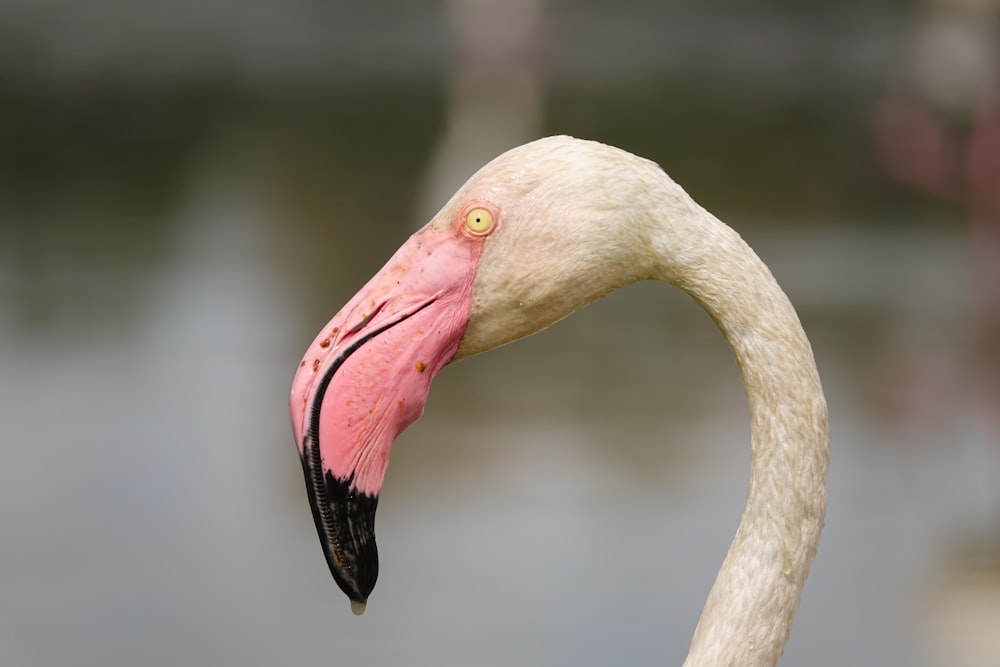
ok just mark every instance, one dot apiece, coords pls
pixel 479 220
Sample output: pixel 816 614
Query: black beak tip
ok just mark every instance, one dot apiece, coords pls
pixel 345 521
pixel 357 588
pixel 358 578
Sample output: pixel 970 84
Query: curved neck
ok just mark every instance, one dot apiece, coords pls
pixel 748 615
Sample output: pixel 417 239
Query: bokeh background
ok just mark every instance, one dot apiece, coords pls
pixel 190 189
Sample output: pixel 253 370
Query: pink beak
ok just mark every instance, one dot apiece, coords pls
pixel 366 378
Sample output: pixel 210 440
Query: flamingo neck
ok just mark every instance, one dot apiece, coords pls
pixel 635 223
pixel 748 615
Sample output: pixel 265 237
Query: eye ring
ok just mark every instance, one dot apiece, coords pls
pixel 479 219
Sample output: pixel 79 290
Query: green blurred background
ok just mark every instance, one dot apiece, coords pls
pixel 189 190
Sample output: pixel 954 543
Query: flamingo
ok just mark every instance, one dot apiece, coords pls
pixel 540 231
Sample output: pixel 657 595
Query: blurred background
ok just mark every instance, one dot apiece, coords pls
pixel 189 190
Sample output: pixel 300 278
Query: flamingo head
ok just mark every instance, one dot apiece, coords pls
pixel 523 243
